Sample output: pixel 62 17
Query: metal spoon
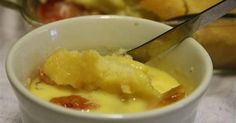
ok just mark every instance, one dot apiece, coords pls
pixel 171 38
pixel 11 5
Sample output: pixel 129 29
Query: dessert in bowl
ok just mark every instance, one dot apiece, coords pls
pixel 34 61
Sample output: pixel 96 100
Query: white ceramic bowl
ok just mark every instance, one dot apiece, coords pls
pixel 102 32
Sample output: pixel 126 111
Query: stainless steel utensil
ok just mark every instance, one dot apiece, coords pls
pixel 10 4
pixel 25 8
pixel 176 35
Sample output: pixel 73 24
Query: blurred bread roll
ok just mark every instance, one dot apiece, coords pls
pixel 233 12
pixel 219 39
pixel 165 9
pixel 197 6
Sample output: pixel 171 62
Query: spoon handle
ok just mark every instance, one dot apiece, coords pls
pixel 10 4
pixel 177 34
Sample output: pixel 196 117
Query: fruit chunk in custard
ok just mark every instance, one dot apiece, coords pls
pixel 113 73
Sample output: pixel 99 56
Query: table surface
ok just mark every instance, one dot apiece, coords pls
pixel 217 106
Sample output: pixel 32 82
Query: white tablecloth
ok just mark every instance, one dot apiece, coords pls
pixel 217 106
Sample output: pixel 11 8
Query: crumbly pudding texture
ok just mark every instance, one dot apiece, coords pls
pixel 90 82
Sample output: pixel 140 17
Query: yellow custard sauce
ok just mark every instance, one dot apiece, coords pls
pixel 88 81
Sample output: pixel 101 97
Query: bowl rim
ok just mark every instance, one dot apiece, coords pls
pixel 16 84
